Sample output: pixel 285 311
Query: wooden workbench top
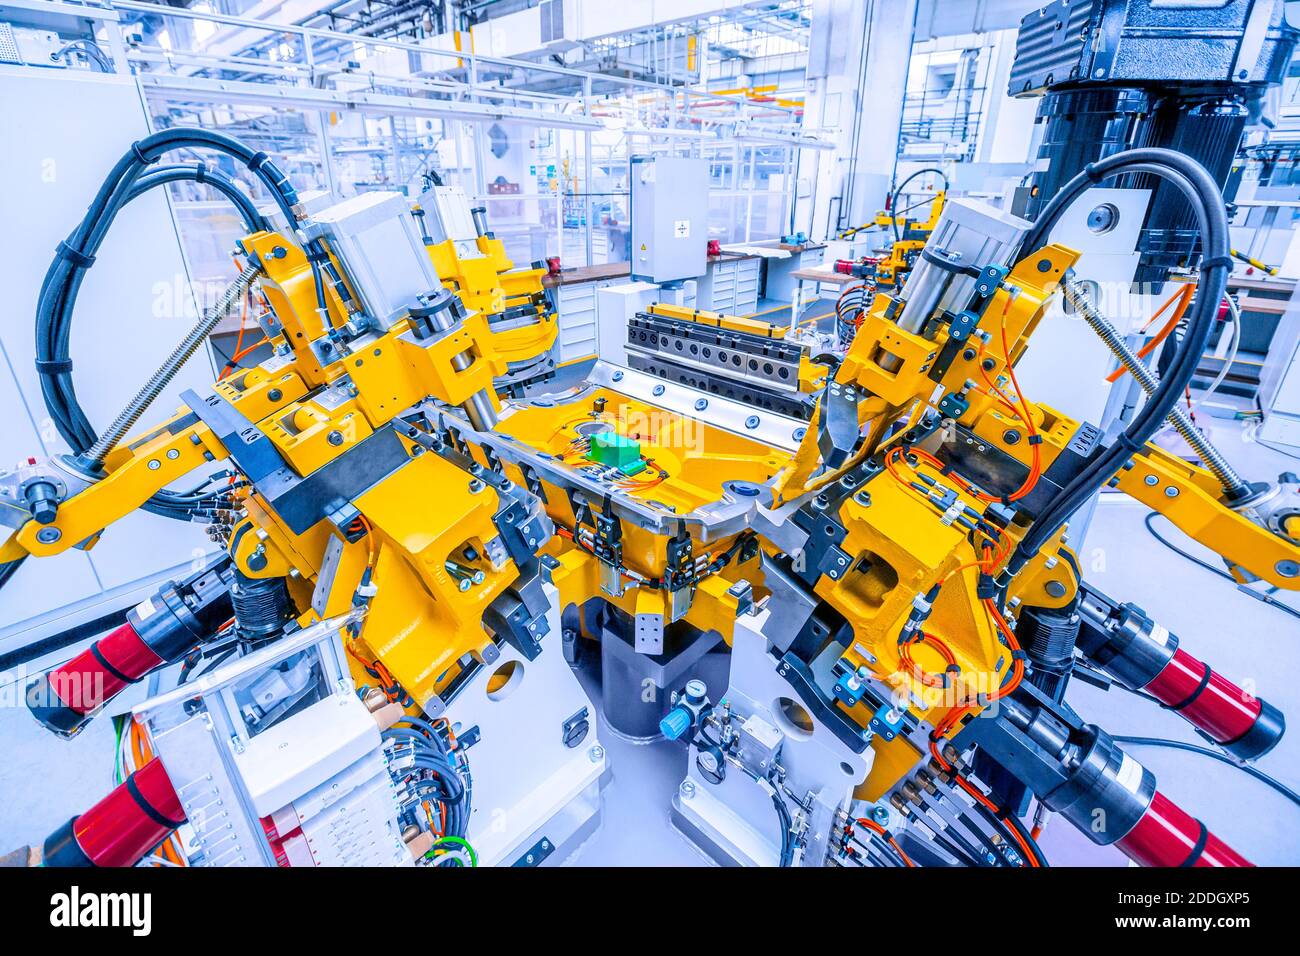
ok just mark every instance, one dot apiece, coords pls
pixel 580 274
pixel 823 275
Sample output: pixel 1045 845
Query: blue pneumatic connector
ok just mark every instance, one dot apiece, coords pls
pixel 676 722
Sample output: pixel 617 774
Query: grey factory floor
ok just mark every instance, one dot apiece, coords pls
pixel 43 781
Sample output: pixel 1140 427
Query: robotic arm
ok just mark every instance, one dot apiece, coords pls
pixel 998 610
pixel 892 578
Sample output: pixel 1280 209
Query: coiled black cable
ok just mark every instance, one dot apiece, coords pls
pixel 787 824
pixel 898 191
pixel 1203 194
pixel 130 178
pixel 202 174
pixel 451 784
pixel 1013 822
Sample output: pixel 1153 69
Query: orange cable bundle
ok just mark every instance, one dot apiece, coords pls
pixel 1184 298
pixel 880 831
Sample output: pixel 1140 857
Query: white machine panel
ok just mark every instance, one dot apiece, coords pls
pixel 64 130
pixel 277 762
pixel 617 304
pixel 538 782
pixel 375 236
pixel 1108 259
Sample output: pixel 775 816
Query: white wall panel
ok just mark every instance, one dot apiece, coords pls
pixel 63 133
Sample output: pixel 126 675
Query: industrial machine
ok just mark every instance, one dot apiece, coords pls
pixel 1112 76
pixel 888 269
pixel 473 263
pixel 745 359
pixel 908 235
pixel 1115 74
pixel 859 623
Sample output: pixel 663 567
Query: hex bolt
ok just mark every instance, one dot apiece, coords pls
pixel 464 576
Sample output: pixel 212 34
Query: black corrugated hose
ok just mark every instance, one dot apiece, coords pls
pixel 130 178
pixel 1203 194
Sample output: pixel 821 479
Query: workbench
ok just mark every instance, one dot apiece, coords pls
pixel 780 282
pixel 819 277
pixel 730 284
pixel 574 292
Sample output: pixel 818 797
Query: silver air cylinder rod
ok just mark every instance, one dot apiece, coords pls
pixel 1074 292
pixel 969 234
pixel 126 419
pixel 479 215
pixel 441 312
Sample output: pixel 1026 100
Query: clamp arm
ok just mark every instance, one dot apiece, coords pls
pixel 1258 538
pixel 88 504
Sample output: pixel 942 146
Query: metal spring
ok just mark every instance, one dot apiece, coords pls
pixel 1077 296
pixel 126 419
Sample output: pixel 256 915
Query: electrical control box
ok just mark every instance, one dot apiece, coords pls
pixel 276 761
pixel 670 218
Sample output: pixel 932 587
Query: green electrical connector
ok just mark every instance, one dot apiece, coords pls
pixel 615 451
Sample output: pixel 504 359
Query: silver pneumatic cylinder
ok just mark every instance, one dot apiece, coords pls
pixel 969 233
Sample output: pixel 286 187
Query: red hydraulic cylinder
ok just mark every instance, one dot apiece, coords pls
pixel 158 631
pixel 1205 698
pixel 1166 835
pixel 102 671
pixel 1142 655
pixel 1108 795
pixel 123 827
